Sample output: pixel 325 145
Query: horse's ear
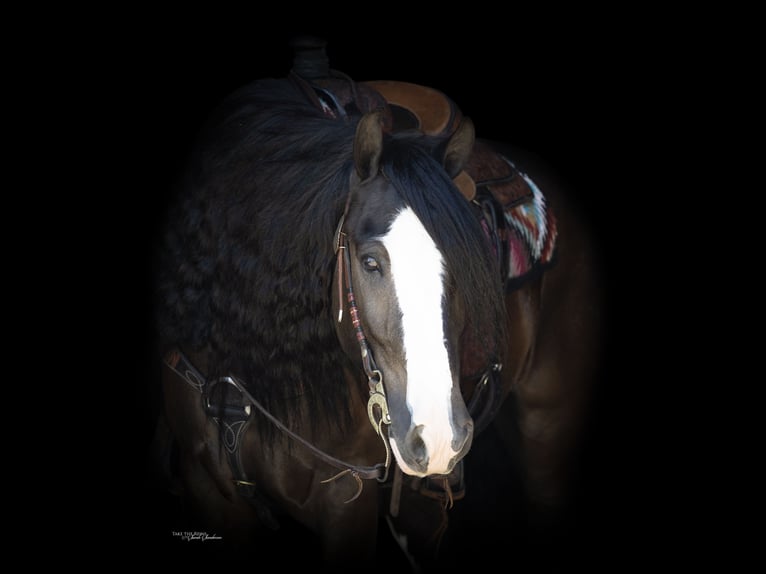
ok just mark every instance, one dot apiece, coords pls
pixel 459 148
pixel 368 144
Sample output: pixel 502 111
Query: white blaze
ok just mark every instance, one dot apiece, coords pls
pixel 417 271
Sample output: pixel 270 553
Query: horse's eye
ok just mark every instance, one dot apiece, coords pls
pixel 370 263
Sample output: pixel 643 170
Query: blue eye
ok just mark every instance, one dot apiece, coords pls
pixel 370 263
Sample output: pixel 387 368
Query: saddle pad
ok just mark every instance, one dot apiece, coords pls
pixel 530 226
pixel 532 234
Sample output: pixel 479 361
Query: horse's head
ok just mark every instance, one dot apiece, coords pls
pixel 408 232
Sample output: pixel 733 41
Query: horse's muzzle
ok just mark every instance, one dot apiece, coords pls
pixel 424 454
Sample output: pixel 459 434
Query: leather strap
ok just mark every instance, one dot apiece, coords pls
pixel 178 362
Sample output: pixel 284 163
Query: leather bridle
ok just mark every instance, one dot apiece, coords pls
pixel 380 416
pixel 377 405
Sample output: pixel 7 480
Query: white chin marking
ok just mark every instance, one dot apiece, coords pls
pixel 417 271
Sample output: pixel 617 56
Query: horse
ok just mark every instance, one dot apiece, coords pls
pixel 337 325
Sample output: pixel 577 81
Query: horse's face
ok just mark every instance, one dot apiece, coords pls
pixel 411 320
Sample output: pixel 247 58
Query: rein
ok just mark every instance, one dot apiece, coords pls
pixel 180 365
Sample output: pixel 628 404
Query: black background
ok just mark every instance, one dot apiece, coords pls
pixel 566 96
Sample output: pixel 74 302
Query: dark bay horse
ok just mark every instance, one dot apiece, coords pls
pixel 341 313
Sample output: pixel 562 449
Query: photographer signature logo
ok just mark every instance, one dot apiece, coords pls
pixel 201 536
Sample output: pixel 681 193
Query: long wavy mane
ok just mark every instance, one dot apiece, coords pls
pixel 246 268
pixel 248 261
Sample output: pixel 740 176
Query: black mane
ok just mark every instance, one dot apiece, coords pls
pixel 248 261
pixel 246 268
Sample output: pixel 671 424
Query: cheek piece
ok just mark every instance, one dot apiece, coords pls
pixel 377 406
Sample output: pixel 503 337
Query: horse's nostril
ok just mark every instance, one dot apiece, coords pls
pixel 416 446
pixel 463 434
